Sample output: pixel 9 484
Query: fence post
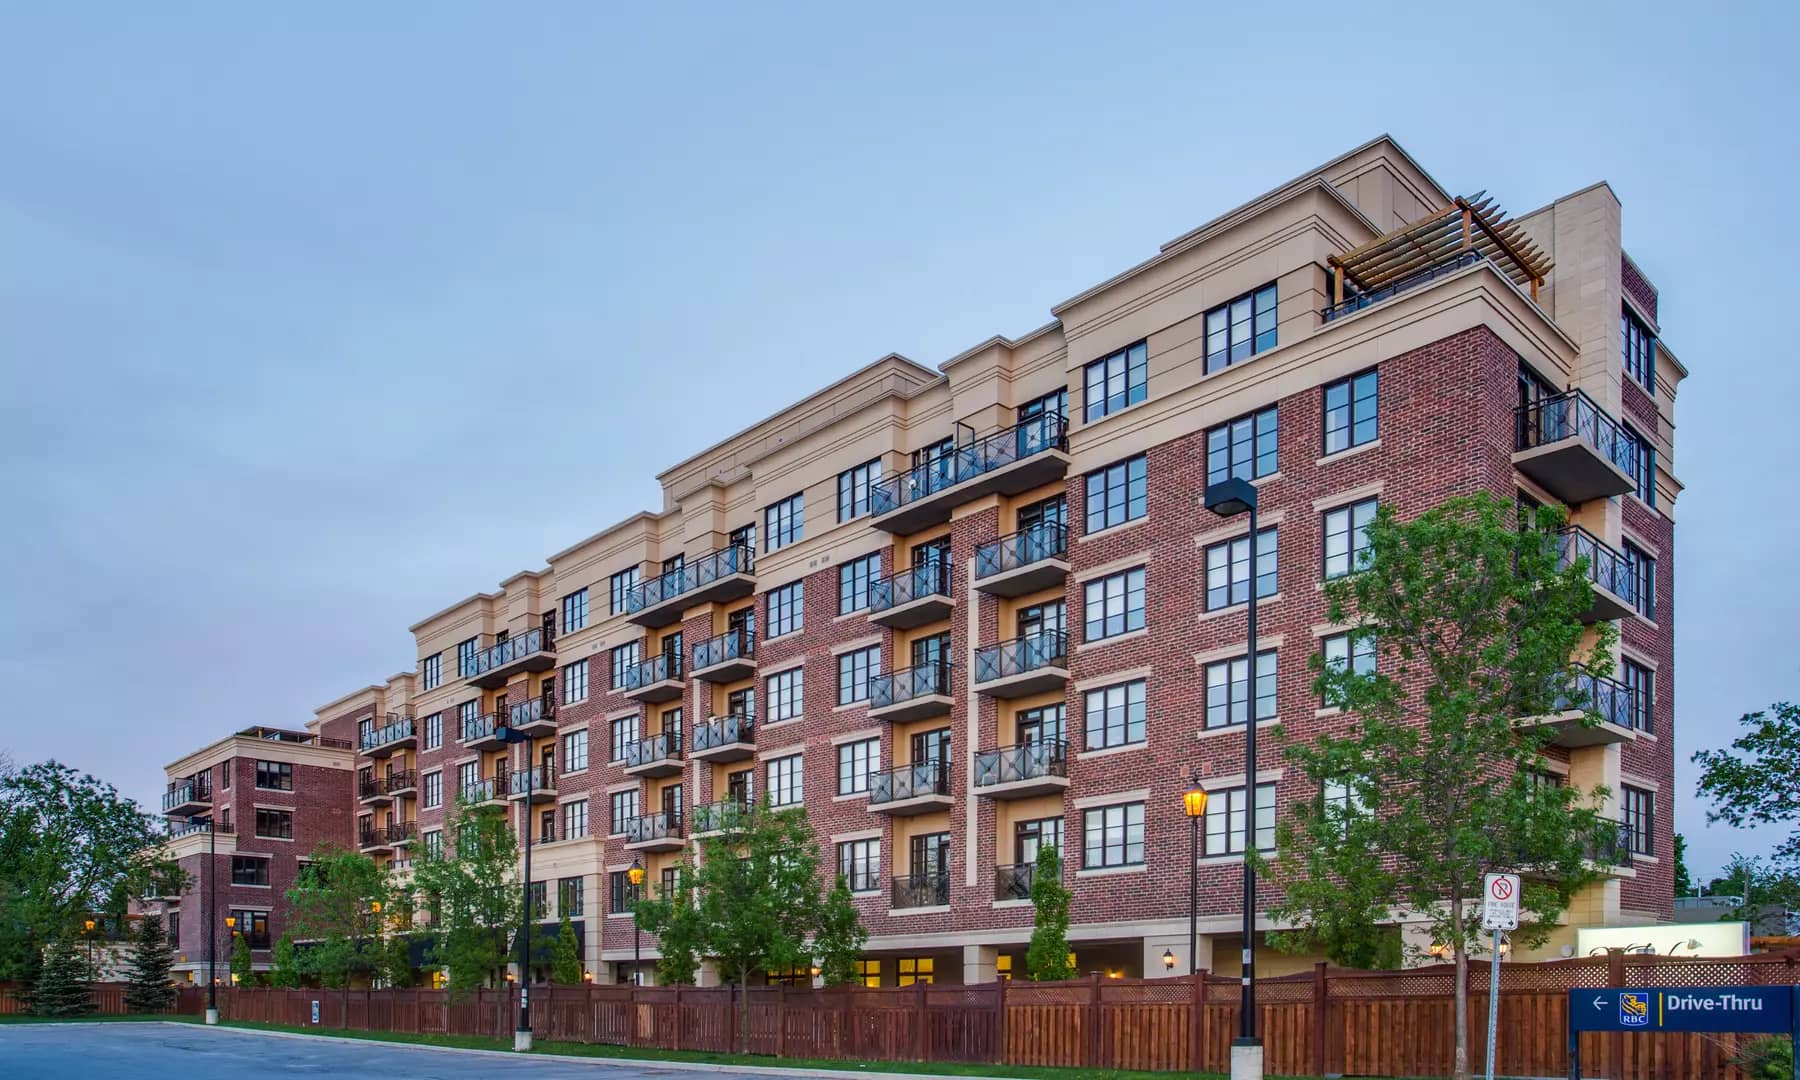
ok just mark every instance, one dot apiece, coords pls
pixel 919 1021
pixel 1093 1018
pixel 781 1020
pixel 1197 990
pixel 844 1021
pixel 1615 976
pixel 680 1017
pixel 1000 1020
pixel 1321 1027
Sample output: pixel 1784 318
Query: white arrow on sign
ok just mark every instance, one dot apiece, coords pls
pixel 1600 1003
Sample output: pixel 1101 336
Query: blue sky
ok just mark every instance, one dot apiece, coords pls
pixel 314 320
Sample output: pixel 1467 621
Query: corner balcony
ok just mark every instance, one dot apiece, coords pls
pixel 534 650
pixel 399 733
pixel 188 797
pixel 1618 710
pixel 1023 562
pixel 536 784
pixel 656 679
pixel 724 738
pixel 720 818
pixel 1019 772
pixel 1574 449
pixel 1615 588
pixel 910 790
pixel 912 598
pixel 1032 664
pixel 482 732
pixel 534 717
pixel 729 657
pixel 716 577
pixel 1008 462
pixel 658 755
pixel 914 693
pixel 925 890
pixel 661 831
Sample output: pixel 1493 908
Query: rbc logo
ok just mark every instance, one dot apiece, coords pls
pixel 1634 1009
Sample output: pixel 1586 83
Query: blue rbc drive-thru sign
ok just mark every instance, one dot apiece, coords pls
pixel 1749 1010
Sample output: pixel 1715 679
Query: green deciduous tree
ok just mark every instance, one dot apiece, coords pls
pixel 1047 955
pixel 396 958
pixel 565 954
pixel 336 905
pixel 1684 882
pixel 1757 780
pixel 285 972
pixel 62 987
pixel 471 894
pixel 1433 776
pixel 243 968
pixel 839 941
pixel 148 989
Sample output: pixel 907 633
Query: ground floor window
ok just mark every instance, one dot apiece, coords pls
pixel 869 971
pixel 916 969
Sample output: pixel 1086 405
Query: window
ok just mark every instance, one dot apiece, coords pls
pixel 547 827
pixel 536 899
pixel 466 715
pixel 575 819
pixel 854 671
pixel 254 925
pixel 624 807
pixel 916 969
pixel 787 609
pixel 859 864
pixel 1113 605
pixel 1351 411
pixel 1117 493
pixel 785 780
pixel 1640 820
pixel 275 775
pixel 1351 651
pixel 575 751
pixel 226 769
pixel 1641 569
pixel 1115 715
pixel 1240 328
pixel 431 793
pixel 868 972
pixel 1347 538
pixel 1638 350
pixel 855 761
pixel 618 586
pixel 853 582
pixel 1228 686
pixel 249 870
pixel 784 523
pixel 671 876
pixel 1244 448
pixel 618 892
pixel 574 682
pixel 1113 382
pixel 1340 802
pixel 434 730
pixel 431 672
pixel 571 897
pixel 1225 820
pixel 624 658
pixel 786 694
pixel 468 774
pixel 465 657
pixel 1640 462
pixel 275 824
pixel 434 843
pixel 574 611
pixel 1113 836
pixel 741 703
pixel 1228 569
pixel 853 489
pixel 1640 689
pixel 625 732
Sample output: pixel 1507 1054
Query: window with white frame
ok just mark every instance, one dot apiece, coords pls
pixel 1113 605
pixel 574 682
pixel 787 609
pixel 785 780
pixel 1226 817
pixel 855 761
pixel 786 694
pixel 784 522
pixel 1228 569
pixel 1347 538
pixel 1112 836
pixel 1228 687
pixel 1114 715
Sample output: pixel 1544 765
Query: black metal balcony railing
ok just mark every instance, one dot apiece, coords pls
pixel 394 832
pixel 1021 654
pixel 1035 436
pixel 739 644
pixel 389 784
pixel 931 578
pixel 722 731
pixel 906 684
pixel 727 816
pixel 397 728
pixel 705 570
pixel 537 778
pixel 1013 882
pixel 1610 698
pixel 1027 761
pixel 188 791
pixel 1612 845
pixel 1022 548
pixel 536 639
pixel 1606 568
pixel 1353 304
pixel 662 825
pixel 1574 415
pixel 931 889
pixel 660 668
pixel 904 782
pixel 662 747
pixel 476 728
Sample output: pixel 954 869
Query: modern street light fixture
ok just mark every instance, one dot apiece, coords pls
pixel 1193 804
pixel 212 913
pixel 636 876
pixel 1229 498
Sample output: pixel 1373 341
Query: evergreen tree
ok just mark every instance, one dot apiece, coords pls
pixel 396 961
pixel 242 968
pixel 1047 957
pixel 839 942
pixel 62 988
pixel 148 989
pixel 286 972
pixel 565 953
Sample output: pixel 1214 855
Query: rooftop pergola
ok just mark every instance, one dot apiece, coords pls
pixel 1473 226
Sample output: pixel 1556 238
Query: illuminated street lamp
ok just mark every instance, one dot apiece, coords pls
pixel 636 876
pixel 1193 804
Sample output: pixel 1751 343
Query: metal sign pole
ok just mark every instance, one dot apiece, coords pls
pixel 1493 1001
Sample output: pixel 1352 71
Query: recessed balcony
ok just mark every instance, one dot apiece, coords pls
pixel 658 755
pixel 536 784
pixel 1615 586
pixel 1013 881
pixel 398 733
pixel 1023 562
pixel 724 738
pixel 383 838
pixel 729 657
pixel 912 597
pixel 926 890
pixel 716 577
pixel 656 679
pixel 914 693
pixel 661 831
pixel 534 650
pixel 1019 772
pixel 720 818
pixel 379 789
pixel 533 717
pixel 1618 714
pixel 1008 462
pixel 482 732
pixel 910 790
pixel 188 796
pixel 1033 664
pixel 486 791
pixel 1611 854
pixel 1574 449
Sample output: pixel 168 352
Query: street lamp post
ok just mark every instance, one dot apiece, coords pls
pixel 636 876
pixel 506 733
pixel 212 913
pixel 1229 498
pixel 1193 803
pixel 231 929
pixel 90 943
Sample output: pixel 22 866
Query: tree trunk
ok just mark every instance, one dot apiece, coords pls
pixel 743 1009
pixel 1460 1062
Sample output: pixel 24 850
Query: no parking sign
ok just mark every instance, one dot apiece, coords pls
pixel 1500 902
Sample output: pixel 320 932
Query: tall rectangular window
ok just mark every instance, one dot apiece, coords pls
pixel 1640 819
pixel 431 672
pixel 574 611
pixel 786 695
pixel 1113 382
pixel 1638 350
pixel 575 819
pixel 275 824
pixel 859 864
pixel 618 892
pixel 784 522
pixel 466 652
pixel 1352 652
pixel 574 682
pixel 855 761
pixel 467 714
pixel 786 786
pixel 1115 715
pixel 787 609
pixel 853 489
pixel 468 774
pixel 571 897
pixel 1240 328
pixel 1642 571
pixel 431 790
pixel 275 775
pixel 854 671
pixel 1347 538
pixel 618 586
pixel 625 731
pixel 1112 836
pixel 1228 688
pixel 1226 820
pixel 624 658
pixel 434 731
pixel 1228 569
pixel 1118 493
pixel 1113 605
pixel 853 582
pixel 1640 461
pixel 1244 448
pixel 433 839
pixel 1640 689
pixel 623 807
pixel 1352 411
pixel 575 751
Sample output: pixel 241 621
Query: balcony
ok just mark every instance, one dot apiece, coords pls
pixel 188 796
pixel 387 837
pixel 925 890
pixel 658 755
pixel 489 790
pixel 724 738
pixel 482 732
pixel 533 716
pixel 1576 451
pixel 1618 710
pixel 912 597
pixel 1008 462
pixel 661 831
pixel 727 658
pixel 1018 772
pixel 721 818
pixel 399 733
pixel 909 694
pixel 1610 852
pixel 534 650
pixel 656 679
pixel 910 790
pixel 536 784
pixel 1013 882
pixel 382 789
pixel 1032 664
pixel 1023 562
pixel 716 577
pixel 1615 587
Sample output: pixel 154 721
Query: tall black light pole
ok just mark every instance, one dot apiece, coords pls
pixel 212 912
pixel 1229 498
pixel 507 734
pixel 636 876
pixel 1193 803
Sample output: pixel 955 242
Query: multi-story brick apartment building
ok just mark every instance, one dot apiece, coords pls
pixel 960 613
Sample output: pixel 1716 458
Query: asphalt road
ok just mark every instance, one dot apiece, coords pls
pixel 139 1051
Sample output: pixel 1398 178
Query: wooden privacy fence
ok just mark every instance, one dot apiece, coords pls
pixel 109 1000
